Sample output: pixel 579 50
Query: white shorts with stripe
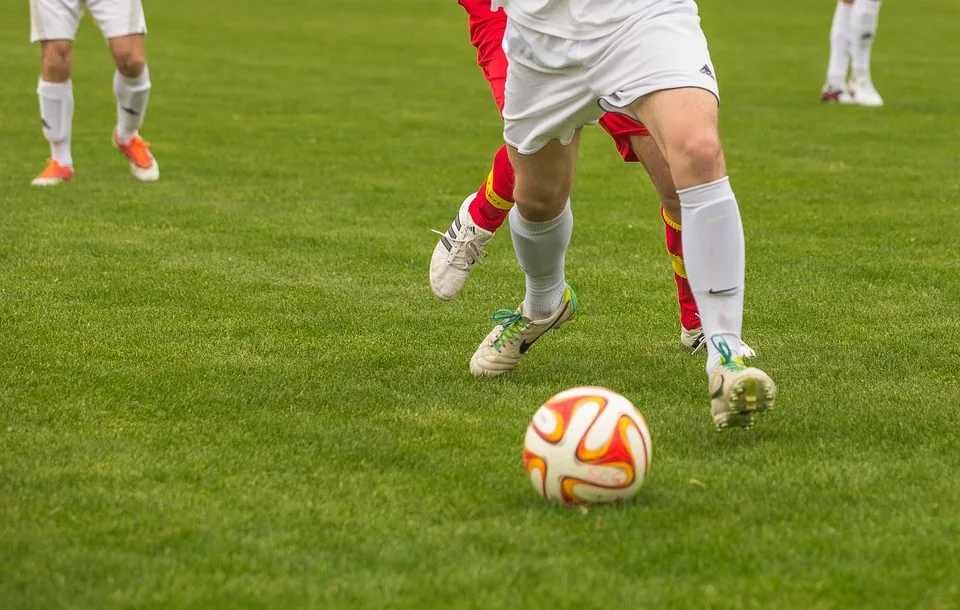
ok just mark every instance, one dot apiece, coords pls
pixel 59 19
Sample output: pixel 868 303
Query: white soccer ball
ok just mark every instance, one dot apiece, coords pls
pixel 587 445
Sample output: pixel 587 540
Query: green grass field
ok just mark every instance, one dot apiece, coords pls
pixel 233 388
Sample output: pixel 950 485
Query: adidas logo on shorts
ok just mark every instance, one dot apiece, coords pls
pixel 706 70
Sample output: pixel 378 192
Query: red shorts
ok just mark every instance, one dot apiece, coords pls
pixel 486 34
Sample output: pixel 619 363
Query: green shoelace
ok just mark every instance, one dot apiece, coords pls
pixel 513 324
pixel 726 355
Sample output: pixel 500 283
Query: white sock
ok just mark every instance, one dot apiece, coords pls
pixel 541 249
pixel 56 114
pixel 713 253
pixel 863 20
pixel 132 97
pixel 840 41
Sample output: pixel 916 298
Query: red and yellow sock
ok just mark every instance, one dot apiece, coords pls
pixel 689 314
pixel 495 198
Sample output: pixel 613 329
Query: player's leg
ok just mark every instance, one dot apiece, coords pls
pixel 544 110
pixel 541 224
pixel 841 39
pixel 645 150
pixel 54 24
pixel 483 212
pixel 863 19
pixel 684 123
pixel 124 26
pixel 651 68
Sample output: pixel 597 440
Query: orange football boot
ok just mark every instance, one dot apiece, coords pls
pixel 53 174
pixel 142 164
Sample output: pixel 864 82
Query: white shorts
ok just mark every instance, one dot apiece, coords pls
pixel 59 19
pixel 556 85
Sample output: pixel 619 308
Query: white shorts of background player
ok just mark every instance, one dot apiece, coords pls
pixel 59 19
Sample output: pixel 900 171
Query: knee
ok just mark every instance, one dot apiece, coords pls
pixel 131 62
pixel 702 148
pixel 700 157
pixel 57 60
pixel 541 201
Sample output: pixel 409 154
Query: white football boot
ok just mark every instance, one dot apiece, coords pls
pixel 513 335
pixel 738 393
pixel 863 93
pixel 693 340
pixel 459 248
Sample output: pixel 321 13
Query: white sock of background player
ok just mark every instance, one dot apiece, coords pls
pixel 863 22
pixel 840 43
pixel 56 115
pixel 132 93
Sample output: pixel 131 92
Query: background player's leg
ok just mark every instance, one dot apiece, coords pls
pixel 482 213
pixel 131 84
pixel 492 203
pixel 55 92
pixel 863 20
pixel 684 124
pixel 54 25
pixel 124 26
pixel 463 243
pixel 839 62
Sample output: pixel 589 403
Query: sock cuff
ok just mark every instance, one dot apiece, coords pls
pixel 55 90
pixel 527 228
pixel 134 83
pixel 670 222
pixel 705 194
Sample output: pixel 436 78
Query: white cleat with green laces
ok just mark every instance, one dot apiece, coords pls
pixel 738 393
pixel 513 335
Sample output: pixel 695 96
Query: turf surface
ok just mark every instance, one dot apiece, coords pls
pixel 232 388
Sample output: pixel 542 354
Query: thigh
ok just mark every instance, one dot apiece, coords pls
pixel 546 93
pixel 54 19
pixel 117 18
pixel 684 123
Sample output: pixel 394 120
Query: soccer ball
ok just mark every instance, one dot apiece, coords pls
pixel 587 445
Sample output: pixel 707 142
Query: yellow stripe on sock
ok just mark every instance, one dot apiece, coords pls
pixel 496 200
pixel 669 221
pixel 678 266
